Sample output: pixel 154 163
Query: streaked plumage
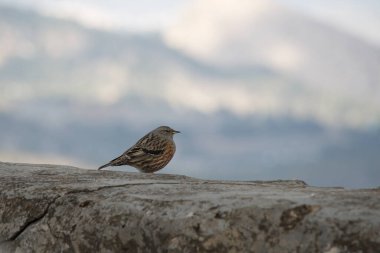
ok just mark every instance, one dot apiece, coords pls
pixel 151 153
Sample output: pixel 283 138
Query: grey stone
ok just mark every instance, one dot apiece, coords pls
pixel 52 208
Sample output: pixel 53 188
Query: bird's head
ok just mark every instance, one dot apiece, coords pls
pixel 166 131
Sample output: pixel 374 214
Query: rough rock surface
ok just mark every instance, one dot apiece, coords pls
pixel 51 208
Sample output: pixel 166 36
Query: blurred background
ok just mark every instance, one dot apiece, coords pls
pixel 280 89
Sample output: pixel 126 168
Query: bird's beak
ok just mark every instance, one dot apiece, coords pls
pixel 176 132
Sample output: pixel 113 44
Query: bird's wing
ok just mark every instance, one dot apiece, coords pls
pixel 133 154
pixel 148 145
pixel 145 149
pixel 153 151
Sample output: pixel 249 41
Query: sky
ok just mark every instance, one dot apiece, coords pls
pixel 135 16
pixel 360 18
pixel 294 64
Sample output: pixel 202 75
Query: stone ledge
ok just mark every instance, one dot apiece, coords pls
pixel 53 208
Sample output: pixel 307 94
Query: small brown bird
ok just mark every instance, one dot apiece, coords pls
pixel 151 153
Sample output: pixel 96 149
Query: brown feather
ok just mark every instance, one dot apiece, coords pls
pixel 151 153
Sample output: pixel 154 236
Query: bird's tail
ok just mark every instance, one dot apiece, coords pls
pixel 118 161
pixel 105 165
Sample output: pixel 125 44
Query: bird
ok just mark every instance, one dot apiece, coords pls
pixel 151 153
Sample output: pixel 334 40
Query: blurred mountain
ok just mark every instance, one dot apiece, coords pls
pixel 268 60
pixel 339 74
pixel 86 95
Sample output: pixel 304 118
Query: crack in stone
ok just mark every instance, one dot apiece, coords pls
pixel 116 186
pixel 33 221
pixel 40 217
pixel 252 183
